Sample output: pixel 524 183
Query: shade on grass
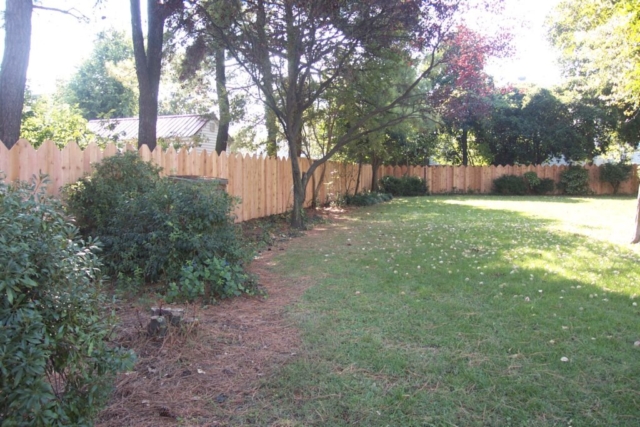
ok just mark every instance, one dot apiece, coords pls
pixel 465 311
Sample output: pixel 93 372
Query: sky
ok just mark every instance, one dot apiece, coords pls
pixel 60 43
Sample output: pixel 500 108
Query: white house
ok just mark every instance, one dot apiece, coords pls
pixel 193 130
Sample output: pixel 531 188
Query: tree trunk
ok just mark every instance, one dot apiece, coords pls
pixel 149 62
pixel 223 102
pixel 464 146
pixel 299 194
pixel 375 165
pixel 267 76
pixel 316 186
pixel 358 178
pixel 636 238
pixel 13 74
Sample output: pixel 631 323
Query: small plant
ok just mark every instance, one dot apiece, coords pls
pixel 510 184
pixel 615 174
pixel 212 279
pixel 531 180
pixel 574 181
pixel 56 364
pixel 404 186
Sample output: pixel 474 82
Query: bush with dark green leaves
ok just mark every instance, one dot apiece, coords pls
pixel 546 186
pixel 510 184
pixel 574 181
pixel 56 364
pixel 152 228
pixel 537 185
pixel 365 198
pixel 615 174
pixel 404 186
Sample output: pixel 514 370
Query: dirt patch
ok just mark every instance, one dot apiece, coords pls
pixel 204 375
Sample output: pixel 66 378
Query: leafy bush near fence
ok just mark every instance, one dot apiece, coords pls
pixel 403 186
pixel 574 181
pixel 156 230
pixel 536 185
pixel 510 184
pixel 56 364
pixel 615 174
pixel 365 199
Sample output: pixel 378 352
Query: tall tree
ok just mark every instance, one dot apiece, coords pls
pixel 13 74
pixel 463 92
pixel 311 45
pixel 96 88
pixel 599 43
pixel 15 62
pixel 149 62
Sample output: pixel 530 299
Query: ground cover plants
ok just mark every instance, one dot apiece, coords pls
pixel 468 311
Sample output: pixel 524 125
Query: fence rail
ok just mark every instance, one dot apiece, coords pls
pixel 265 184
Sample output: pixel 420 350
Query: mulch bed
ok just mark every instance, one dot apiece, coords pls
pixel 211 372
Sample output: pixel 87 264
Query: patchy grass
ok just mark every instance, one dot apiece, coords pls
pixel 466 311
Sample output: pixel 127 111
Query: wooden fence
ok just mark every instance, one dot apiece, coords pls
pixel 264 184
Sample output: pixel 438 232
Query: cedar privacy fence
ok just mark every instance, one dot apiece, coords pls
pixel 264 184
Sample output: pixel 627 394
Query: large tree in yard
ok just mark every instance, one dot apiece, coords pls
pixel 13 74
pixel 600 43
pixel 148 61
pixel 307 47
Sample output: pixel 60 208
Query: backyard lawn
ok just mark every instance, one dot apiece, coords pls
pixel 463 311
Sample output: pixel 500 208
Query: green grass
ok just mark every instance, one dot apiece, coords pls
pixel 457 311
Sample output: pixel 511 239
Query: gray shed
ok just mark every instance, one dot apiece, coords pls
pixel 188 129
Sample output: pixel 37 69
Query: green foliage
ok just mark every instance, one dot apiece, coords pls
pixel 404 186
pixel 546 186
pixel 104 85
pixel 44 118
pixel 55 361
pixel 365 199
pixel 574 181
pixel 615 174
pixel 213 278
pixel 510 184
pixel 536 185
pixel 153 227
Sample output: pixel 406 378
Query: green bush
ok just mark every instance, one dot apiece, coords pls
pixel 546 185
pixel 615 174
pixel 574 181
pixel 152 227
pixel 56 365
pixel 404 186
pixel 509 184
pixel 536 185
pixel 365 199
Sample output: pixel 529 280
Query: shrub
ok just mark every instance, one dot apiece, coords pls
pixel 546 185
pixel 615 174
pixel 509 184
pixel 156 227
pixel 536 185
pixel 404 186
pixel 55 362
pixel 365 199
pixel 531 180
pixel 574 181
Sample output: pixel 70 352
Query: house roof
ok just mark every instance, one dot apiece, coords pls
pixel 182 126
